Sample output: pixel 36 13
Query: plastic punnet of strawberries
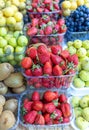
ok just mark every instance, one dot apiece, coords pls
pixel 49 66
pixel 49 109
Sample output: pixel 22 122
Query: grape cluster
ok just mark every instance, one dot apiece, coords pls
pixel 78 21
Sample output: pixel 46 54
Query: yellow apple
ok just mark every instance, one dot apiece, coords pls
pixel 18 16
pixel 66 4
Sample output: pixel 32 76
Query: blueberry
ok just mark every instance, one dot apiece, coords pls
pixel 81 13
pixel 85 15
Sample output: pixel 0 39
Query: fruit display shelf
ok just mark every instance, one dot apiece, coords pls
pixel 28 94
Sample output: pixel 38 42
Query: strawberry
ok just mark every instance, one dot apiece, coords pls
pixel 56 49
pixel 42 49
pixel 35 96
pixel 37 105
pixel 71 71
pixel 56 6
pixel 35 40
pixel 41 32
pixel 56 28
pixel 73 58
pixel 66 119
pixel 57 114
pixel 48 30
pixel 47 117
pixel 63 64
pixel 59 105
pixel 56 59
pixel 26 62
pixel 49 107
pixel 65 54
pixel 34 5
pixel 32 31
pixel 50 122
pixel 34 22
pixel 39 120
pixel 30 117
pixel 38 85
pixel 57 70
pixel 44 57
pixel 61 22
pixel 45 18
pixel 28 106
pixel 63 29
pixel 49 96
pixel 40 10
pixel 28 72
pixel 47 1
pixel 62 98
pixel 37 70
pixel 31 52
pixel 58 121
pixel 47 69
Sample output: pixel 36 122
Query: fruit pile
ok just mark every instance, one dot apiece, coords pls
pixel 12 46
pixel 81 48
pixel 81 14
pixel 51 108
pixel 70 5
pixel 81 110
pixel 46 61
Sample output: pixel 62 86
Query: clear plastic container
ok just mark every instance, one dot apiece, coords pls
pixel 60 82
pixel 37 127
pixel 71 36
pixel 15 96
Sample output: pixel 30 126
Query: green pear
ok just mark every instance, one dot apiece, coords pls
pixel 78 83
pixel 85 113
pixel 85 64
pixel 84 75
pixel 87 84
pixel 75 101
pixel 81 123
pixel 84 101
pixel 78 111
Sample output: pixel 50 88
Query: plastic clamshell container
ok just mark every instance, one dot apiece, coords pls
pixel 73 124
pixel 61 82
pixel 71 36
pixel 15 96
pixel 41 127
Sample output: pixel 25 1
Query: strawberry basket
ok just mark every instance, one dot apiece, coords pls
pixel 28 95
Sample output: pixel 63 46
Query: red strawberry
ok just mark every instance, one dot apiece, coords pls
pixel 56 6
pixel 57 94
pixel 50 122
pixel 30 117
pixel 41 32
pixel 47 117
pixel 63 29
pixel 61 22
pixel 37 105
pixel 44 57
pixel 73 58
pixel 66 120
pixel 46 18
pixel 49 96
pixel 57 70
pixel 26 62
pixel 58 121
pixel 34 22
pixel 62 98
pixel 56 49
pixel 27 106
pixel 34 5
pixel 56 59
pixel 56 28
pixel 32 31
pixel 47 1
pixel 28 72
pixel 49 107
pixel 37 70
pixel 48 30
pixel 42 49
pixel 71 71
pixel 40 10
pixel 37 85
pixel 39 120
pixel 36 1
pixel 63 64
pixel 57 114
pixel 59 105
pixel 35 40
pixel 47 69
pixel 35 96
pixel 65 54
pixel 31 52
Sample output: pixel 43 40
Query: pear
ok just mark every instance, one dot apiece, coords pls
pixel 78 111
pixel 85 113
pixel 84 101
pixel 81 123
pixel 75 101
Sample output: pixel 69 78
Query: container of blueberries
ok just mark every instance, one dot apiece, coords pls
pixel 78 24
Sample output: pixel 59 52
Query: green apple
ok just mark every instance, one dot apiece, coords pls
pixel 81 52
pixel 85 113
pixel 3 42
pixel 84 75
pixel 87 53
pixel 85 64
pixel 87 84
pixel 16 34
pixel 18 26
pixel 3 31
pixel 85 44
pixel 78 111
pixel 81 59
pixel 1 52
pixel 19 50
pixel 10 57
pixel 2 21
pixel 22 41
pixel 77 44
pixel 12 42
pixel 8 36
pixel 8 49
pixel 72 50
pixel 11 21
pixel 81 123
pixel 79 66
pixel 13 62
pixel 70 43
pixel 78 83
pixel 19 57
pixel 75 101
pixel 84 101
